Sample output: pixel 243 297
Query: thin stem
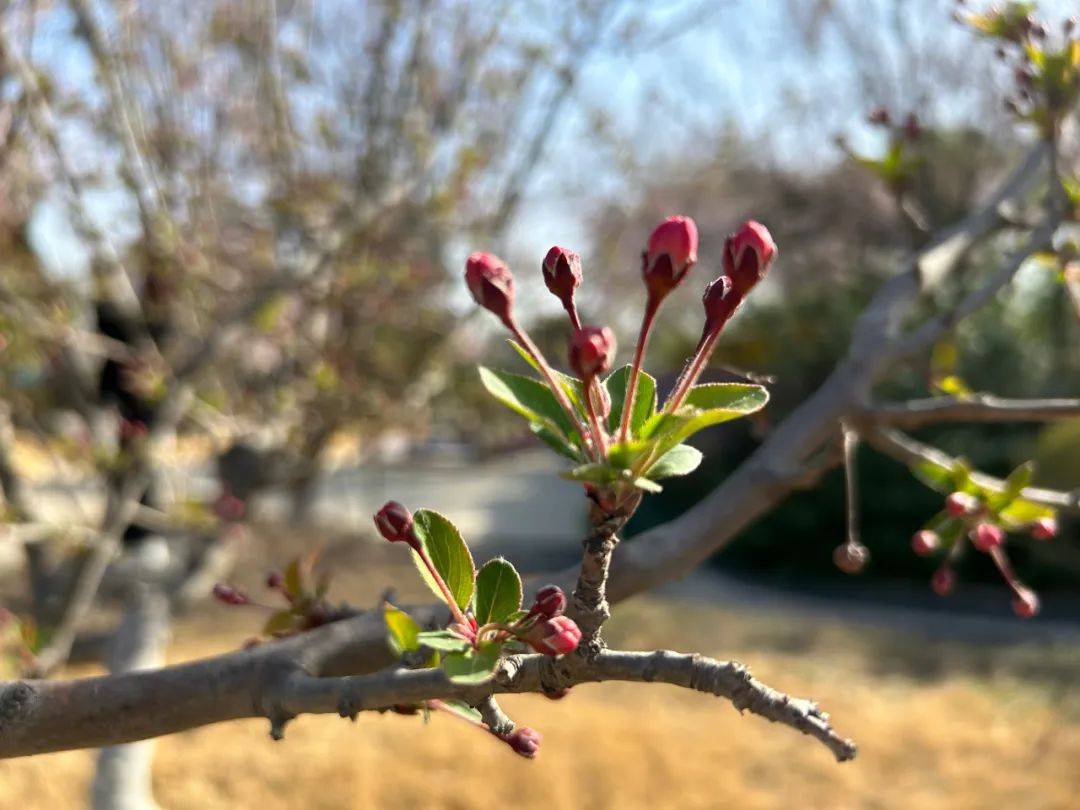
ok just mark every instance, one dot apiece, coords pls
pixel 575 320
pixel 691 373
pixel 651 307
pixel 545 369
pixel 851 443
pixel 447 595
pixel 599 434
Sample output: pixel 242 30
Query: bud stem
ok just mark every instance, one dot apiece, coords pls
pixel 571 310
pixel 599 434
pixel 448 597
pixel 651 307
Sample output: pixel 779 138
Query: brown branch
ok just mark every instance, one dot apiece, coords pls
pixel 979 408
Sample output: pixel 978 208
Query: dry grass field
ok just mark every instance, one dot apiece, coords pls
pixel 939 725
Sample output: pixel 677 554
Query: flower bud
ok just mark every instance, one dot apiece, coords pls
pixel 395 523
pixel 748 253
pixel 491 284
pixel 851 558
pixel 550 602
pixel 562 274
pixel 1025 603
pixel 925 543
pixel 524 741
pixel 720 302
pixel 1044 529
pixel 229 508
pixel 592 349
pixel 961 504
pixel 228 595
pixel 669 255
pixel 987 537
pixel 274 580
pixel 879 116
pixel 943 581
pixel 558 635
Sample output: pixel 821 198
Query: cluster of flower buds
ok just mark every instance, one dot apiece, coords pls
pixel 669 255
pixel 986 536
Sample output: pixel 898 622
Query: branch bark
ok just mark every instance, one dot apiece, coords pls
pixel 980 408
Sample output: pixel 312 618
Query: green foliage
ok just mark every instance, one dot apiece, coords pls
pixel 644 399
pixel 533 400
pixel 498 591
pixel 444 546
pixel 403 630
pixel 680 460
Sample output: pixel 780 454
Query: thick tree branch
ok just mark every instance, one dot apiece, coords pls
pixel 979 408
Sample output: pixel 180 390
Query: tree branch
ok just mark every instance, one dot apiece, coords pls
pixel 979 408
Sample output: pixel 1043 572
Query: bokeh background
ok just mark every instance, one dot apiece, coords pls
pixel 297 184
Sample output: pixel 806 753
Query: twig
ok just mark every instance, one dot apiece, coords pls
pixel 979 408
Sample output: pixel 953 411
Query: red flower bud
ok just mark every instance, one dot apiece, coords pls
pixel 592 349
pixel 229 595
pixel 274 580
pixel 229 507
pixel 925 543
pixel 851 558
pixel 961 504
pixel 550 602
pixel 558 635
pixel 720 302
pixel 1025 603
pixel 395 523
pixel 879 116
pixel 748 253
pixel 524 741
pixel 671 252
pixel 491 284
pixel 562 274
pixel 987 537
pixel 943 580
pixel 1044 529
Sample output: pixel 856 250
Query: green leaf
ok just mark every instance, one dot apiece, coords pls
pixel 281 622
pixel 594 473
pixel 647 485
pixel 1019 479
pixel 443 640
pixel 447 551
pixel 935 476
pixel 644 399
pixel 680 460
pixel 472 666
pixel 462 709
pixel 1022 511
pixel 402 630
pixel 529 398
pixel 498 591
pixel 705 405
pixel 556 441
pixel 571 385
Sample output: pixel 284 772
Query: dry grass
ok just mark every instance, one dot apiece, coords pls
pixel 939 726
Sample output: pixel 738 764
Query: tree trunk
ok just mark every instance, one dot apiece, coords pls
pixel 122 778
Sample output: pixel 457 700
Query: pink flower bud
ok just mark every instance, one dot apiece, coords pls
pixel 562 274
pixel 925 542
pixel 524 741
pixel 720 302
pixel 943 581
pixel 395 523
pixel 550 602
pixel 558 635
pixel 1025 603
pixel 1044 529
pixel 230 508
pixel 229 595
pixel 961 504
pixel 748 254
pixel 274 580
pixel 592 349
pixel 987 537
pixel 491 284
pixel 879 116
pixel 851 558
pixel 671 252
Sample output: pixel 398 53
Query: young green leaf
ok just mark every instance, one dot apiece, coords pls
pixel 283 621
pixel 498 591
pixel 556 441
pixel 571 385
pixel 443 640
pixel 447 551
pixel 680 460
pixel 402 630
pixel 705 405
pixel 529 398
pixel 644 399
pixel 471 666
pixel 647 485
pixel 1022 511
pixel 594 473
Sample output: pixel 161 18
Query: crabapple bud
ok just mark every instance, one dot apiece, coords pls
pixel 558 635
pixel 943 581
pixel 550 602
pixel 1025 603
pixel 562 274
pixel 592 349
pixel 491 284
pixel 879 116
pixel 525 741
pixel 925 542
pixel 274 580
pixel 1044 529
pixel 228 595
pixel 987 537
pixel 669 255
pixel 720 302
pixel 961 504
pixel 748 254
pixel 851 558
pixel 395 523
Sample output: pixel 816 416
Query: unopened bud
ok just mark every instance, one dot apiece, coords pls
pixel 228 595
pixel 925 542
pixel 879 116
pixel 274 580
pixel 550 602
pixel 720 301
pixel 395 523
pixel 987 537
pixel 1025 603
pixel 592 350
pixel 558 635
pixel 491 284
pixel 1044 529
pixel 671 252
pixel 562 274
pixel 962 504
pixel 943 581
pixel 748 253
pixel 229 508
pixel 851 558
pixel 525 741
